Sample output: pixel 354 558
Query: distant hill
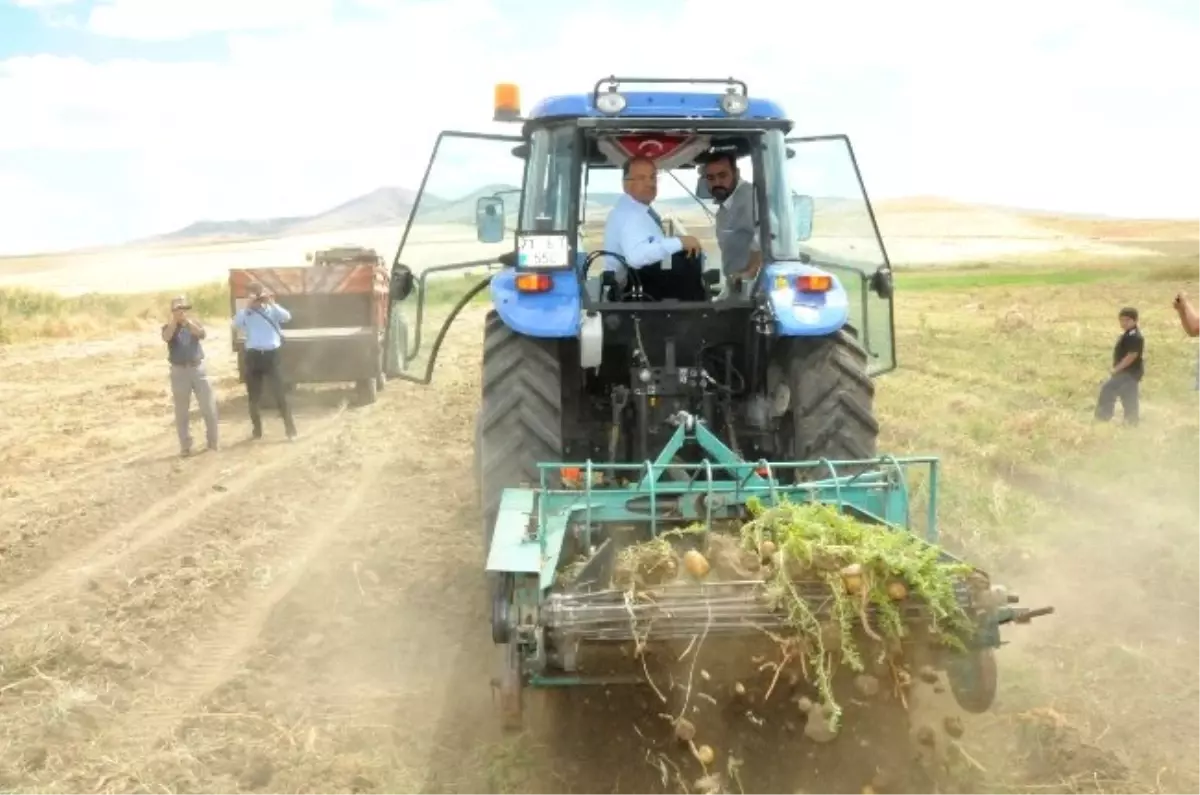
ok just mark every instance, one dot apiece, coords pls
pixel 920 215
pixel 387 206
pixel 266 227
pixel 381 207
pixel 462 209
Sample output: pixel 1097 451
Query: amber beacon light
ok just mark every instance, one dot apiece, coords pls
pixel 507 102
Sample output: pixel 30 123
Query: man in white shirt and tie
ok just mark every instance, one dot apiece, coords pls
pixel 634 230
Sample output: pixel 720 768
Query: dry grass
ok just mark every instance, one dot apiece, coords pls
pixel 999 376
pixel 31 315
pixel 266 656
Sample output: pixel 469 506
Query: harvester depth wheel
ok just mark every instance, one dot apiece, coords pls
pixel 520 415
pixel 368 391
pixel 831 409
pixel 973 680
pixel 510 687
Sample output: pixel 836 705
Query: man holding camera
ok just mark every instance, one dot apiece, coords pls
pixel 183 334
pixel 260 321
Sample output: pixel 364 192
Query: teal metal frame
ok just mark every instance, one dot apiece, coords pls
pixel 532 527
pixel 532 524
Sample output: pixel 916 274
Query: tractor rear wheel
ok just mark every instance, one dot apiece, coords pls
pixel 830 412
pixel 520 415
pixel 519 426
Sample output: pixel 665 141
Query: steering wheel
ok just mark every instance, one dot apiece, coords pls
pixel 633 289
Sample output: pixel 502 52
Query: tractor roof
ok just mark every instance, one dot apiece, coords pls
pixel 659 104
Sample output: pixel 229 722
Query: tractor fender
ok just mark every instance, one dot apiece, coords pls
pixel 555 313
pixel 805 314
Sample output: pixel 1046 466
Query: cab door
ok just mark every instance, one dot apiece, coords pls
pixel 836 227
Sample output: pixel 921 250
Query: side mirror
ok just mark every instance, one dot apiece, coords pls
pixel 802 209
pixel 401 284
pixel 881 282
pixel 702 191
pixel 489 219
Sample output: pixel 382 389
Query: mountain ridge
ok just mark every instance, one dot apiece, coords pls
pixel 392 206
pixel 384 206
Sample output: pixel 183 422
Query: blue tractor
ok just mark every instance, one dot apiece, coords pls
pixel 614 410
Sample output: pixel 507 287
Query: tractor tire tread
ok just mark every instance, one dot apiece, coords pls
pixel 520 417
pixel 833 399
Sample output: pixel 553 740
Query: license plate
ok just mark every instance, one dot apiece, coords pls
pixel 542 251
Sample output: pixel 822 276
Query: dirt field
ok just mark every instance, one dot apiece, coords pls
pixel 309 616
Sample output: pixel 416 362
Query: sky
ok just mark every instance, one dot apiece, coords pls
pixel 125 118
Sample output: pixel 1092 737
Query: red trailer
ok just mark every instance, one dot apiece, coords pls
pixel 339 306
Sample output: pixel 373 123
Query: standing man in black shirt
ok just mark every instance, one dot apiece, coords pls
pixel 183 333
pixel 1127 370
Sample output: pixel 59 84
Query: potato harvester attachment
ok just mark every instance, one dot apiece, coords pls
pixel 558 631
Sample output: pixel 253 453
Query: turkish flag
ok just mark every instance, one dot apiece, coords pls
pixel 653 146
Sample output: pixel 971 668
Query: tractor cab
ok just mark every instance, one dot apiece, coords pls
pixel 536 204
pixel 573 194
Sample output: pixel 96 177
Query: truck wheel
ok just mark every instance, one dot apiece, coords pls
pixel 520 415
pixel 831 403
pixel 367 390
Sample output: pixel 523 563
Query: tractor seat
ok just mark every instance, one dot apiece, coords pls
pixel 684 281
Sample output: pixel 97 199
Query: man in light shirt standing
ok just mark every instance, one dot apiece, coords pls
pixel 634 230
pixel 260 321
pixel 737 234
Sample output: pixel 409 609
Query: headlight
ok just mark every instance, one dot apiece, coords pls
pixel 611 102
pixel 734 104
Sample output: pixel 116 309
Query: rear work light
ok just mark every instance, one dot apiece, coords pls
pixel 534 282
pixel 814 284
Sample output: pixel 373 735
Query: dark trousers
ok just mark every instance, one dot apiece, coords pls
pixel 264 366
pixel 1123 387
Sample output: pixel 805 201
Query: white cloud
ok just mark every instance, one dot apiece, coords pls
pixel 163 20
pixel 1073 103
pixel 290 123
pixel 33 213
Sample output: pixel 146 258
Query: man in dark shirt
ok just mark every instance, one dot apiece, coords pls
pixel 182 333
pixel 1127 370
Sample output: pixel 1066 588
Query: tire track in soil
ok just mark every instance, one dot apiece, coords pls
pixel 217 657
pixel 69 478
pixel 204 491
pixel 42 352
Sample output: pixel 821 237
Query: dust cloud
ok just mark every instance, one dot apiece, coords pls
pixel 1103 696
